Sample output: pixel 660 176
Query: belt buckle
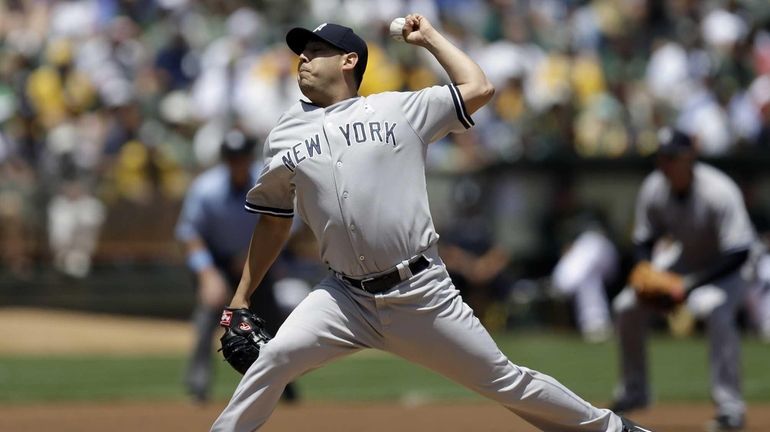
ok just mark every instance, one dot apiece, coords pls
pixel 364 282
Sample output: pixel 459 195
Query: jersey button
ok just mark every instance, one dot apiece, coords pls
pixel 361 258
pixel 345 195
pixel 352 227
pixel 339 164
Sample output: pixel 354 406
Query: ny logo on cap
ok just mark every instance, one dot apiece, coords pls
pixel 317 29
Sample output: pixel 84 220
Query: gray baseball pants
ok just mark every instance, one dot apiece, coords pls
pixel 423 320
pixel 717 304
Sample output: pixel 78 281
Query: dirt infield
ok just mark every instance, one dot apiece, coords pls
pixel 81 333
pixel 86 333
pixel 314 417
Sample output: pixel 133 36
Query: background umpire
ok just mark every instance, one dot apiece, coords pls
pixel 211 227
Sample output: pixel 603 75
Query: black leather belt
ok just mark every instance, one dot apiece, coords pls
pixel 384 282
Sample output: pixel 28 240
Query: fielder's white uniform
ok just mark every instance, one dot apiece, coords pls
pixel 356 170
pixel 582 272
pixel 710 222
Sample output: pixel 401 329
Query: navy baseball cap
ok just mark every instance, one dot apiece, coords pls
pixel 337 35
pixel 672 142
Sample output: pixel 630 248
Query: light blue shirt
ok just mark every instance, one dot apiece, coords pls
pixel 213 211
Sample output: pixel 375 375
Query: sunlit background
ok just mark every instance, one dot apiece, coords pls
pixel 109 109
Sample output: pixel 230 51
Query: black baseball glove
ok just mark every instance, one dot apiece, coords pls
pixel 244 336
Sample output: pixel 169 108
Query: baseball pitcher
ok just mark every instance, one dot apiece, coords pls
pixel 353 168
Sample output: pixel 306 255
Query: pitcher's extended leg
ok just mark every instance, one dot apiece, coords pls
pixel 430 325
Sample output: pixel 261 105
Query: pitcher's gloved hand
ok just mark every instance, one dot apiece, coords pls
pixel 659 288
pixel 244 336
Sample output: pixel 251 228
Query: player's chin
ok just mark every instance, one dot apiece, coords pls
pixel 307 87
pixel 304 80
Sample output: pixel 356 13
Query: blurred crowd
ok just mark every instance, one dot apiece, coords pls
pixel 113 105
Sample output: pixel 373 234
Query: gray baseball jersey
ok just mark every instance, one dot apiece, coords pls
pixel 357 171
pixel 354 171
pixel 710 222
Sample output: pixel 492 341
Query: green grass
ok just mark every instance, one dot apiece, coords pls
pixel 678 368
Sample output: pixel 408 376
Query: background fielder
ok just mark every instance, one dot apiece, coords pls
pixel 699 212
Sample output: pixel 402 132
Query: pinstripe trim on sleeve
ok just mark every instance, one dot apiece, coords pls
pixel 252 208
pixel 462 113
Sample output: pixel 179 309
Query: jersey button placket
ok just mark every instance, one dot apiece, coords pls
pixel 344 195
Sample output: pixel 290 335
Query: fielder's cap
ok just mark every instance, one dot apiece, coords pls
pixel 235 144
pixel 337 35
pixel 672 142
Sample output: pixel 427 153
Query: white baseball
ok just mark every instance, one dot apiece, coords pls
pixel 396 26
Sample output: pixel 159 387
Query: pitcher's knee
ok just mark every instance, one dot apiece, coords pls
pixel 286 358
pixel 272 355
pixel 507 385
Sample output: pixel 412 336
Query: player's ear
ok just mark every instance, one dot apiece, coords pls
pixel 349 61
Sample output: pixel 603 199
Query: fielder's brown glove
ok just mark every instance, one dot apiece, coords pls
pixel 659 288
